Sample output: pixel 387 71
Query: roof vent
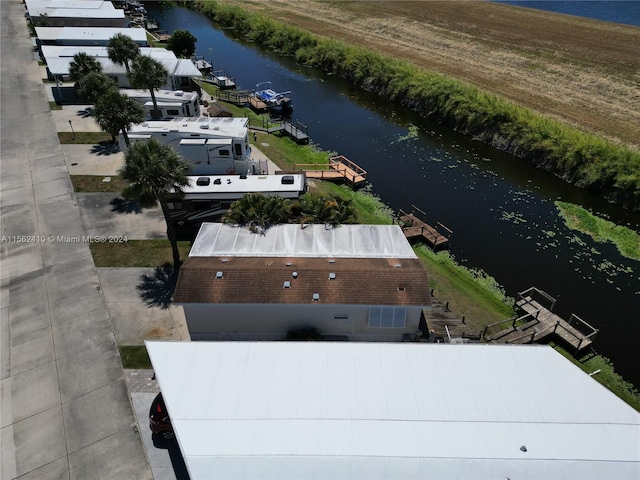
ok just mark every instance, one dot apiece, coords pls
pixel 225 260
pixel 203 181
pixel 401 288
pixel 286 284
pixel 294 274
pixel 397 265
pixel 288 264
pixel 218 274
pixel 217 181
pixel 332 261
pixel 287 180
pixel 316 297
pixel 332 276
pixel 243 176
pixel 179 93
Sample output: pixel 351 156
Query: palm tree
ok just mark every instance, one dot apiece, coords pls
pixel 148 73
pixel 258 211
pixel 155 171
pixel 114 112
pixel 332 210
pixel 83 64
pixel 94 85
pixel 122 49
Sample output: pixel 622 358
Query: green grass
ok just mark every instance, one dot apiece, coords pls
pixel 91 138
pixel 95 183
pixel 601 230
pixel 370 209
pixel 136 253
pixel 54 106
pixel 470 292
pixel 607 375
pixel 134 356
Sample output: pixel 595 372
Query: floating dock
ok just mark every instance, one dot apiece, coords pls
pixel 538 322
pixel 339 169
pixel 416 229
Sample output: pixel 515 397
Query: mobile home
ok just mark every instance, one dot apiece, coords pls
pixel 214 146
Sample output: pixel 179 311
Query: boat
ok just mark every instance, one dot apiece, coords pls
pixel 277 102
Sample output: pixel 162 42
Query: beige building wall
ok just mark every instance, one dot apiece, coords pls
pixel 273 321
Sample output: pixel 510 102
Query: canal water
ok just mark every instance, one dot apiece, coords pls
pixel 500 209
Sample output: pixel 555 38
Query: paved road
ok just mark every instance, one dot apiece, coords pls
pixel 65 410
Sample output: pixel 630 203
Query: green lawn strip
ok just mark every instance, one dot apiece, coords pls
pixel 601 230
pixel 469 292
pixel 54 106
pixel 370 209
pixel 607 375
pixel 92 138
pixel 96 183
pixel 136 253
pixel 134 356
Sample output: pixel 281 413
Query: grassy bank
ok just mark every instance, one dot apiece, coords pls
pixel 579 157
pixel 601 230
pixel 136 253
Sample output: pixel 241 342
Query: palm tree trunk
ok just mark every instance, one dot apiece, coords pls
pixel 125 135
pixel 171 235
pixel 153 99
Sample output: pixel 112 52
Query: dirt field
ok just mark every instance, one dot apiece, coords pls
pixel 581 71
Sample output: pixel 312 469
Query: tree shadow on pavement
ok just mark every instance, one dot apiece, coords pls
pixel 120 205
pixel 177 461
pixel 86 113
pixel 105 148
pixel 157 289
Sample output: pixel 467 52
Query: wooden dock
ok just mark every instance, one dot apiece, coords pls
pixel 339 169
pixel 446 325
pixel 538 323
pixel 298 131
pixel 243 98
pixel 416 229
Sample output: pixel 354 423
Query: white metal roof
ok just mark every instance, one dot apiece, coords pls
pixel 59 57
pixel 345 241
pixel 90 34
pixel 322 410
pixel 203 127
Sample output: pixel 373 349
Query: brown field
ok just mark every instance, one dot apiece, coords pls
pixel 581 71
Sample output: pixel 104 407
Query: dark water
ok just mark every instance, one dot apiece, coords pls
pixel 618 11
pixel 500 208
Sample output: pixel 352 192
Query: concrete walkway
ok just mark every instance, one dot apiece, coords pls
pixel 65 411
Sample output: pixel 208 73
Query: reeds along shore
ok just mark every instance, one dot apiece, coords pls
pixel 580 158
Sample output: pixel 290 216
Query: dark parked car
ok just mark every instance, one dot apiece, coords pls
pixel 159 420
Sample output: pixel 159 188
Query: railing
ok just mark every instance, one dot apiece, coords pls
pixel 582 323
pixel 530 292
pixel 341 159
pixel 301 127
pixel 513 321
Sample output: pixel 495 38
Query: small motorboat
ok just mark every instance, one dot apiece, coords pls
pixel 277 102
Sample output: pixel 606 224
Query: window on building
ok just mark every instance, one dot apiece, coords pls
pixel 224 152
pixel 238 149
pixel 387 317
pixel 175 113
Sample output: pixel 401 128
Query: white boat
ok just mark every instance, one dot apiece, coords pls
pixel 276 101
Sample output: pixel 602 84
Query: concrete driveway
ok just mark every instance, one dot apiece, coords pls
pixel 107 214
pixel 93 159
pixel 138 300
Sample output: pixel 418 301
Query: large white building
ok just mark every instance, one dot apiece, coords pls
pixel 181 70
pixel 86 13
pixel 353 282
pixel 335 410
pixel 88 36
